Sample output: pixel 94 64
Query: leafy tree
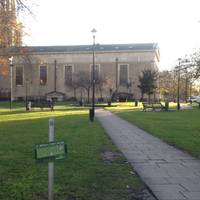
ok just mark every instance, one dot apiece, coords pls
pixel 148 83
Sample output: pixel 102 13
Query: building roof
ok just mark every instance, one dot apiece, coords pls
pixel 89 48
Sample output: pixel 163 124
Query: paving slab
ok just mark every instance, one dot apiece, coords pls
pixel 170 173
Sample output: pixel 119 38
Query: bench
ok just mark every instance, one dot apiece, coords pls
pixel 41 104
pixel 153 106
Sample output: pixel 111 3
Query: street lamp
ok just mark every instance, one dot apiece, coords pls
pixel 26 93
pixel 116 62
pixel 178 88
pixel 92 111
pixel 11 67
pixel 184 64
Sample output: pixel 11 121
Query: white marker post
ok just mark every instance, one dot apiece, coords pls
pixel 51 164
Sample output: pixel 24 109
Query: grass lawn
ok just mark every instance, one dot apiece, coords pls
pixel 93 170
pixel 130 106
pixel 179 128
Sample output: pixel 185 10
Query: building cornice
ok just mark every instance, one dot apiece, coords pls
pixel 79 49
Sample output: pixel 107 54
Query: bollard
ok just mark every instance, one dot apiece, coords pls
pixel 51 164
pixel 136 103
pixel 91 114
pixel 80 103
pixel 166 106
pixel 178 106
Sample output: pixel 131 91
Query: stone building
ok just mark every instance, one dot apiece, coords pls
pixel 55 71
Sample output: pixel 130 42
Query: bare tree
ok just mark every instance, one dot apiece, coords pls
pixel 4 69
pixel 168 84
pixel 74 83
pixel 10 29
pixel 101 83
pixel 24 6
pixel 84 81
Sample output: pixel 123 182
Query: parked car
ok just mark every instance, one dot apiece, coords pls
pixel 194 99
pixel 197 99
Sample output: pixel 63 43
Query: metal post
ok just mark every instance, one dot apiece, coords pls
pixel 26 93
pixel 93 78
pixel 178 89
pixel 186 86
pixel 55 75
pixel 51 164
pixel 92 113
pixel 116 60
pixel 11 67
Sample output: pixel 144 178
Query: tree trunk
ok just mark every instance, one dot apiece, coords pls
pixel 74 93
pixel 154 97
pixel 149 97
pixel 142 96
pixel 101 94
pixel 88 95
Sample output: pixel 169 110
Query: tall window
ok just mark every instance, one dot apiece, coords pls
pixel 123 74
pixel 96 72
pixel 19 75
pixel 43 75
pixel 68 74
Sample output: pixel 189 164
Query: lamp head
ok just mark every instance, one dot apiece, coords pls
pixel 11 59
pixel 93 31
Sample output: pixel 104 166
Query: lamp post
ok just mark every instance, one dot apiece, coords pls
pixel 178 88
pixel 116 62
pixel 26 93
pixel 186 85
pixel 185 66
pixel 92 111
pixel 11 69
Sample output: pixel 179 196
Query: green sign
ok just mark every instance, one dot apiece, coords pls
pixel 51 151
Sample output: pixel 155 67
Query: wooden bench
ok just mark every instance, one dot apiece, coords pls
pixel 153 106
pixel 41 104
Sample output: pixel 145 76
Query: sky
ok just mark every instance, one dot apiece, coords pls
pixel 173 24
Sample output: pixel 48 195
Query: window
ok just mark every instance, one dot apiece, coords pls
pixel 68 74
pixel 123 73
pixel 96 72
pixel 19 75
pixel 43 75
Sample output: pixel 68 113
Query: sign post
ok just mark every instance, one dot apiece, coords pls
pixel 51 163
pixel 54 150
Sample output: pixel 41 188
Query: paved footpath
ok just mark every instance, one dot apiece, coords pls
pixel 170 173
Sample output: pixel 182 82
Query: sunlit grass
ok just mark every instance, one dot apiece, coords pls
pixel 120 106
pixel 18 112
pixel 39 114
pixel 130 106
pixel 179 128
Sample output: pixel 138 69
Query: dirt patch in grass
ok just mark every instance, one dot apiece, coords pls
pixel 144 194
pixel 117 157
pixel 109 156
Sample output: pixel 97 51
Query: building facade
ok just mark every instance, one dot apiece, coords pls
pixel 65 72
